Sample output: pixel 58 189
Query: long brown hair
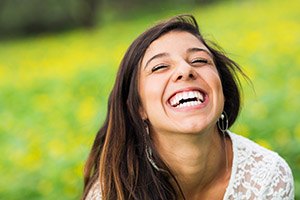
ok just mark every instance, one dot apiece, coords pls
pixel 118 159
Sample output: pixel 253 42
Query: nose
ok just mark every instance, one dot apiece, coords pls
pixel 184 72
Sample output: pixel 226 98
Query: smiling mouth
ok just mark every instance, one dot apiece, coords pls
pixel 187 99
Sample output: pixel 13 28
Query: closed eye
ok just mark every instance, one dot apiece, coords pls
pixel 200 60
pixel 158 67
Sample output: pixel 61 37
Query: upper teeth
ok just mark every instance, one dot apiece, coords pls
pixel 179 98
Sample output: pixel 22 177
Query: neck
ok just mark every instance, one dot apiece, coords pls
pixel 198 162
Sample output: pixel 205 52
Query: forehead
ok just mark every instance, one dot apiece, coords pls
pixel 173 41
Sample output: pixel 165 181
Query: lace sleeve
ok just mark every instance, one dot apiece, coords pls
pixel 94 193
pixel 281 185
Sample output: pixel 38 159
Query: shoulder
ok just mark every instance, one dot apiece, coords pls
pixel 249 151
pixel 94 192
pixel 262 171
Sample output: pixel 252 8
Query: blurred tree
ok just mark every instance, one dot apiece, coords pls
pixel 19 17
pixel 33 16
pixel 205 1
pixel 89 14
pixel 129 8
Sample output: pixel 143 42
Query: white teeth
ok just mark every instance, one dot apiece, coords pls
pixel 173 102
pixel 191 95
pixel 187 95
pixel 199 96
pixel 178 97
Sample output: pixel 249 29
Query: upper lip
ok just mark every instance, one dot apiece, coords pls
pixel 188 89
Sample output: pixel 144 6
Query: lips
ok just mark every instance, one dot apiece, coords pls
pixel 187 98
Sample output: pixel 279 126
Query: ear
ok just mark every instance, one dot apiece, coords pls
pixel 143 113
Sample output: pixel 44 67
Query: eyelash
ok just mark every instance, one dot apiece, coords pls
pixel 158 67
pixel 200 60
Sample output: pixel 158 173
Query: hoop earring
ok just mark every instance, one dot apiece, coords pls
pixel 149 153
pixel 223 127
pixel 223 122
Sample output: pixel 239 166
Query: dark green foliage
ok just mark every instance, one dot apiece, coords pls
pixel 34 16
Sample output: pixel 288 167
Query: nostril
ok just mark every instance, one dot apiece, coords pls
pixel 191 76
pixel 179 77
pixel 185 75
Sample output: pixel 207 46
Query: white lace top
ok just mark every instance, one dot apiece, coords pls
pixel 257 174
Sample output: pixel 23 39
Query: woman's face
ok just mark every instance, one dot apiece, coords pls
pixel 179 85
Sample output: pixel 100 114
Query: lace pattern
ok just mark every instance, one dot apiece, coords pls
pixel 94 193
pixel 257 174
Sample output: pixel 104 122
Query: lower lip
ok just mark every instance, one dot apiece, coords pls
pixel 191 108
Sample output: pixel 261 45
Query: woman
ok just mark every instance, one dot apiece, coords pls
pixel 166 132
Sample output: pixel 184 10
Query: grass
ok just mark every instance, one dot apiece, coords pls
pixel 54 90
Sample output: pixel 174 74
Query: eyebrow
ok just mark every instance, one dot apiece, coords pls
pixel 155 57
pixel 196 49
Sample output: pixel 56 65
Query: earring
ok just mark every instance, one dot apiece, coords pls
pixel 149 153
pixel 223 127
pixel 223 122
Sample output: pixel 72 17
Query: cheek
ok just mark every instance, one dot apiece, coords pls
pixel 219 93
pixel 219 86
pixel 142 93
pixel 147 95
pixel 151 91
pixel 216 86
pixel 151 95
pixel 213 79
pixel 219 89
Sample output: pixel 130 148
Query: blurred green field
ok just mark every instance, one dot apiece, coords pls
pixel 54 89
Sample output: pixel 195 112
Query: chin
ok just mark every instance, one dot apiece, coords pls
pixel 194 129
